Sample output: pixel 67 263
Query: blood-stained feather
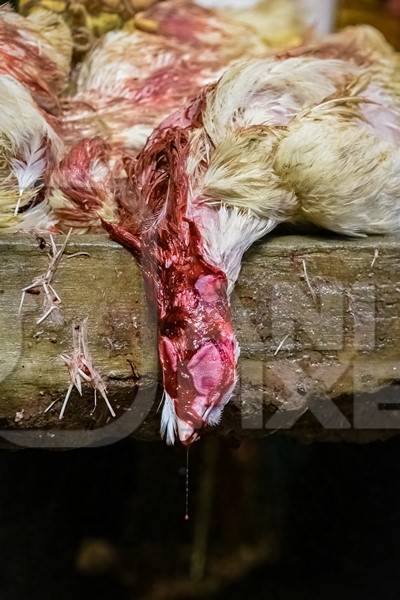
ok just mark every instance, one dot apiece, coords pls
pixel 35 58
pixel 37 52
pixel 134 79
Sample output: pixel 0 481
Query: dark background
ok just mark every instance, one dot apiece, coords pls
pixel 283 521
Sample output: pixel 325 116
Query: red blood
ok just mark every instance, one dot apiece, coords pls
pixel 196 340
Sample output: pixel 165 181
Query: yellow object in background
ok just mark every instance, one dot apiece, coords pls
pixel 383 14
pixel 88 20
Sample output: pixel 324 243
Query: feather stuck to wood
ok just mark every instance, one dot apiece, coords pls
pixel 44 284
pixel 82 370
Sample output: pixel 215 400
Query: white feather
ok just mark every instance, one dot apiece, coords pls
pixel 168 420
pixel 228 233
pixel 270 92
pixel 30 167
pixel 135 137
pixel 214 415
pixel 37 219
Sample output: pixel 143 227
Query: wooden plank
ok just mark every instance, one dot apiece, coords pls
pixel 317 318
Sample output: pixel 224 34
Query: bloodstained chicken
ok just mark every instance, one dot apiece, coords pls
pixel 309 136
pixel 135 78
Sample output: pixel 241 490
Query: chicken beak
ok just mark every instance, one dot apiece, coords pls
pixel 186 432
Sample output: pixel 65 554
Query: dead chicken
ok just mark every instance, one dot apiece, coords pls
pixel 136 77
pixel 311 136
pixel 130 82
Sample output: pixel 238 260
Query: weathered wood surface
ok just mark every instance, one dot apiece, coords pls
pixel 318 319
